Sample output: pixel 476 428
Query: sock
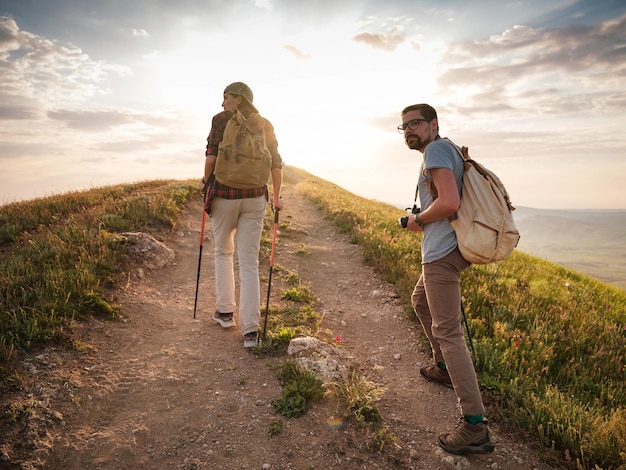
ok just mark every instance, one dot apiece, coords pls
pixel 474 419
pixel 442 365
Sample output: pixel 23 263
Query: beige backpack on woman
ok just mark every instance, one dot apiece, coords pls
pixel 243 159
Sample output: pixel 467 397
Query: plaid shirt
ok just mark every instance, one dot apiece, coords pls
pixel 217 189
pixel 218 125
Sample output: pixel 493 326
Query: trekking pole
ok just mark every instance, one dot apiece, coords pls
pixel 206 193
pixel 269 284
pixel 469 334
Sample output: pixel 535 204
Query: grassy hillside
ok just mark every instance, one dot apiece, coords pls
pixel 58 256
pixel 550 342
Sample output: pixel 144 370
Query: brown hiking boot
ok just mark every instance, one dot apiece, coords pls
pixel 436 374
pixel 467 439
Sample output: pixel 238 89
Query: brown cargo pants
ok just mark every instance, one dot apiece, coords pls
pixel 436 300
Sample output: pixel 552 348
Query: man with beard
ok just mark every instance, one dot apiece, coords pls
pixel 437 294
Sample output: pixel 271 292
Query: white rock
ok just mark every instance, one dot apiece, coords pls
pixel 324 360
pixel 153 253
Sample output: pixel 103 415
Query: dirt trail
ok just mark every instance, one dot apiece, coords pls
pixel 159 389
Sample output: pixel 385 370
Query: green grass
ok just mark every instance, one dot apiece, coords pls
pixel 359 396
pixel 300 389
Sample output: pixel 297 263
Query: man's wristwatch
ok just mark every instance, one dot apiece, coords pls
pixel 418 221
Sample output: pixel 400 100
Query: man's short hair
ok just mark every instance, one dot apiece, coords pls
pixel 427 111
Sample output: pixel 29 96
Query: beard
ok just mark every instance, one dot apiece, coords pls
pixel 414 142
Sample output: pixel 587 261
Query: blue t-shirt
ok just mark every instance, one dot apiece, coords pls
pixel 439 237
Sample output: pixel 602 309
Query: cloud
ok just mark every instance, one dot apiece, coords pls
pixel 8 35
pixel 572 48
pixel 127 147
pixel 15 151
pixel 567 68
pixel 385 123
pixel 91 120
pixel 47 72
pixel 385 41
pixel 14 108
pixel 142 33
pixel 297 53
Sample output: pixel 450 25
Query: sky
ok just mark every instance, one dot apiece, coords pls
pixel 94 93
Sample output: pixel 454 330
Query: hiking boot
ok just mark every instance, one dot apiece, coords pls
pixel 224 319
pixel 436 374
pixel 250 340
pixel 467 439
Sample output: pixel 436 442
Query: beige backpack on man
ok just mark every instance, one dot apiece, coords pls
pixel 484 225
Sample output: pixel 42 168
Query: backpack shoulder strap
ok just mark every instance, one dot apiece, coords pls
pixel 462 151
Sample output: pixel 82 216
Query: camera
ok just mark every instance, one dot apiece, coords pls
pixel 403 221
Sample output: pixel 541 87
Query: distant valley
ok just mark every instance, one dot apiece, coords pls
pixel 592 242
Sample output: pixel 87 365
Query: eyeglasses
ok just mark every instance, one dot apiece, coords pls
pixel 412 124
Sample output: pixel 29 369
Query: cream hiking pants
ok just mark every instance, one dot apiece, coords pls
pixel 238 223
pixel 437 302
